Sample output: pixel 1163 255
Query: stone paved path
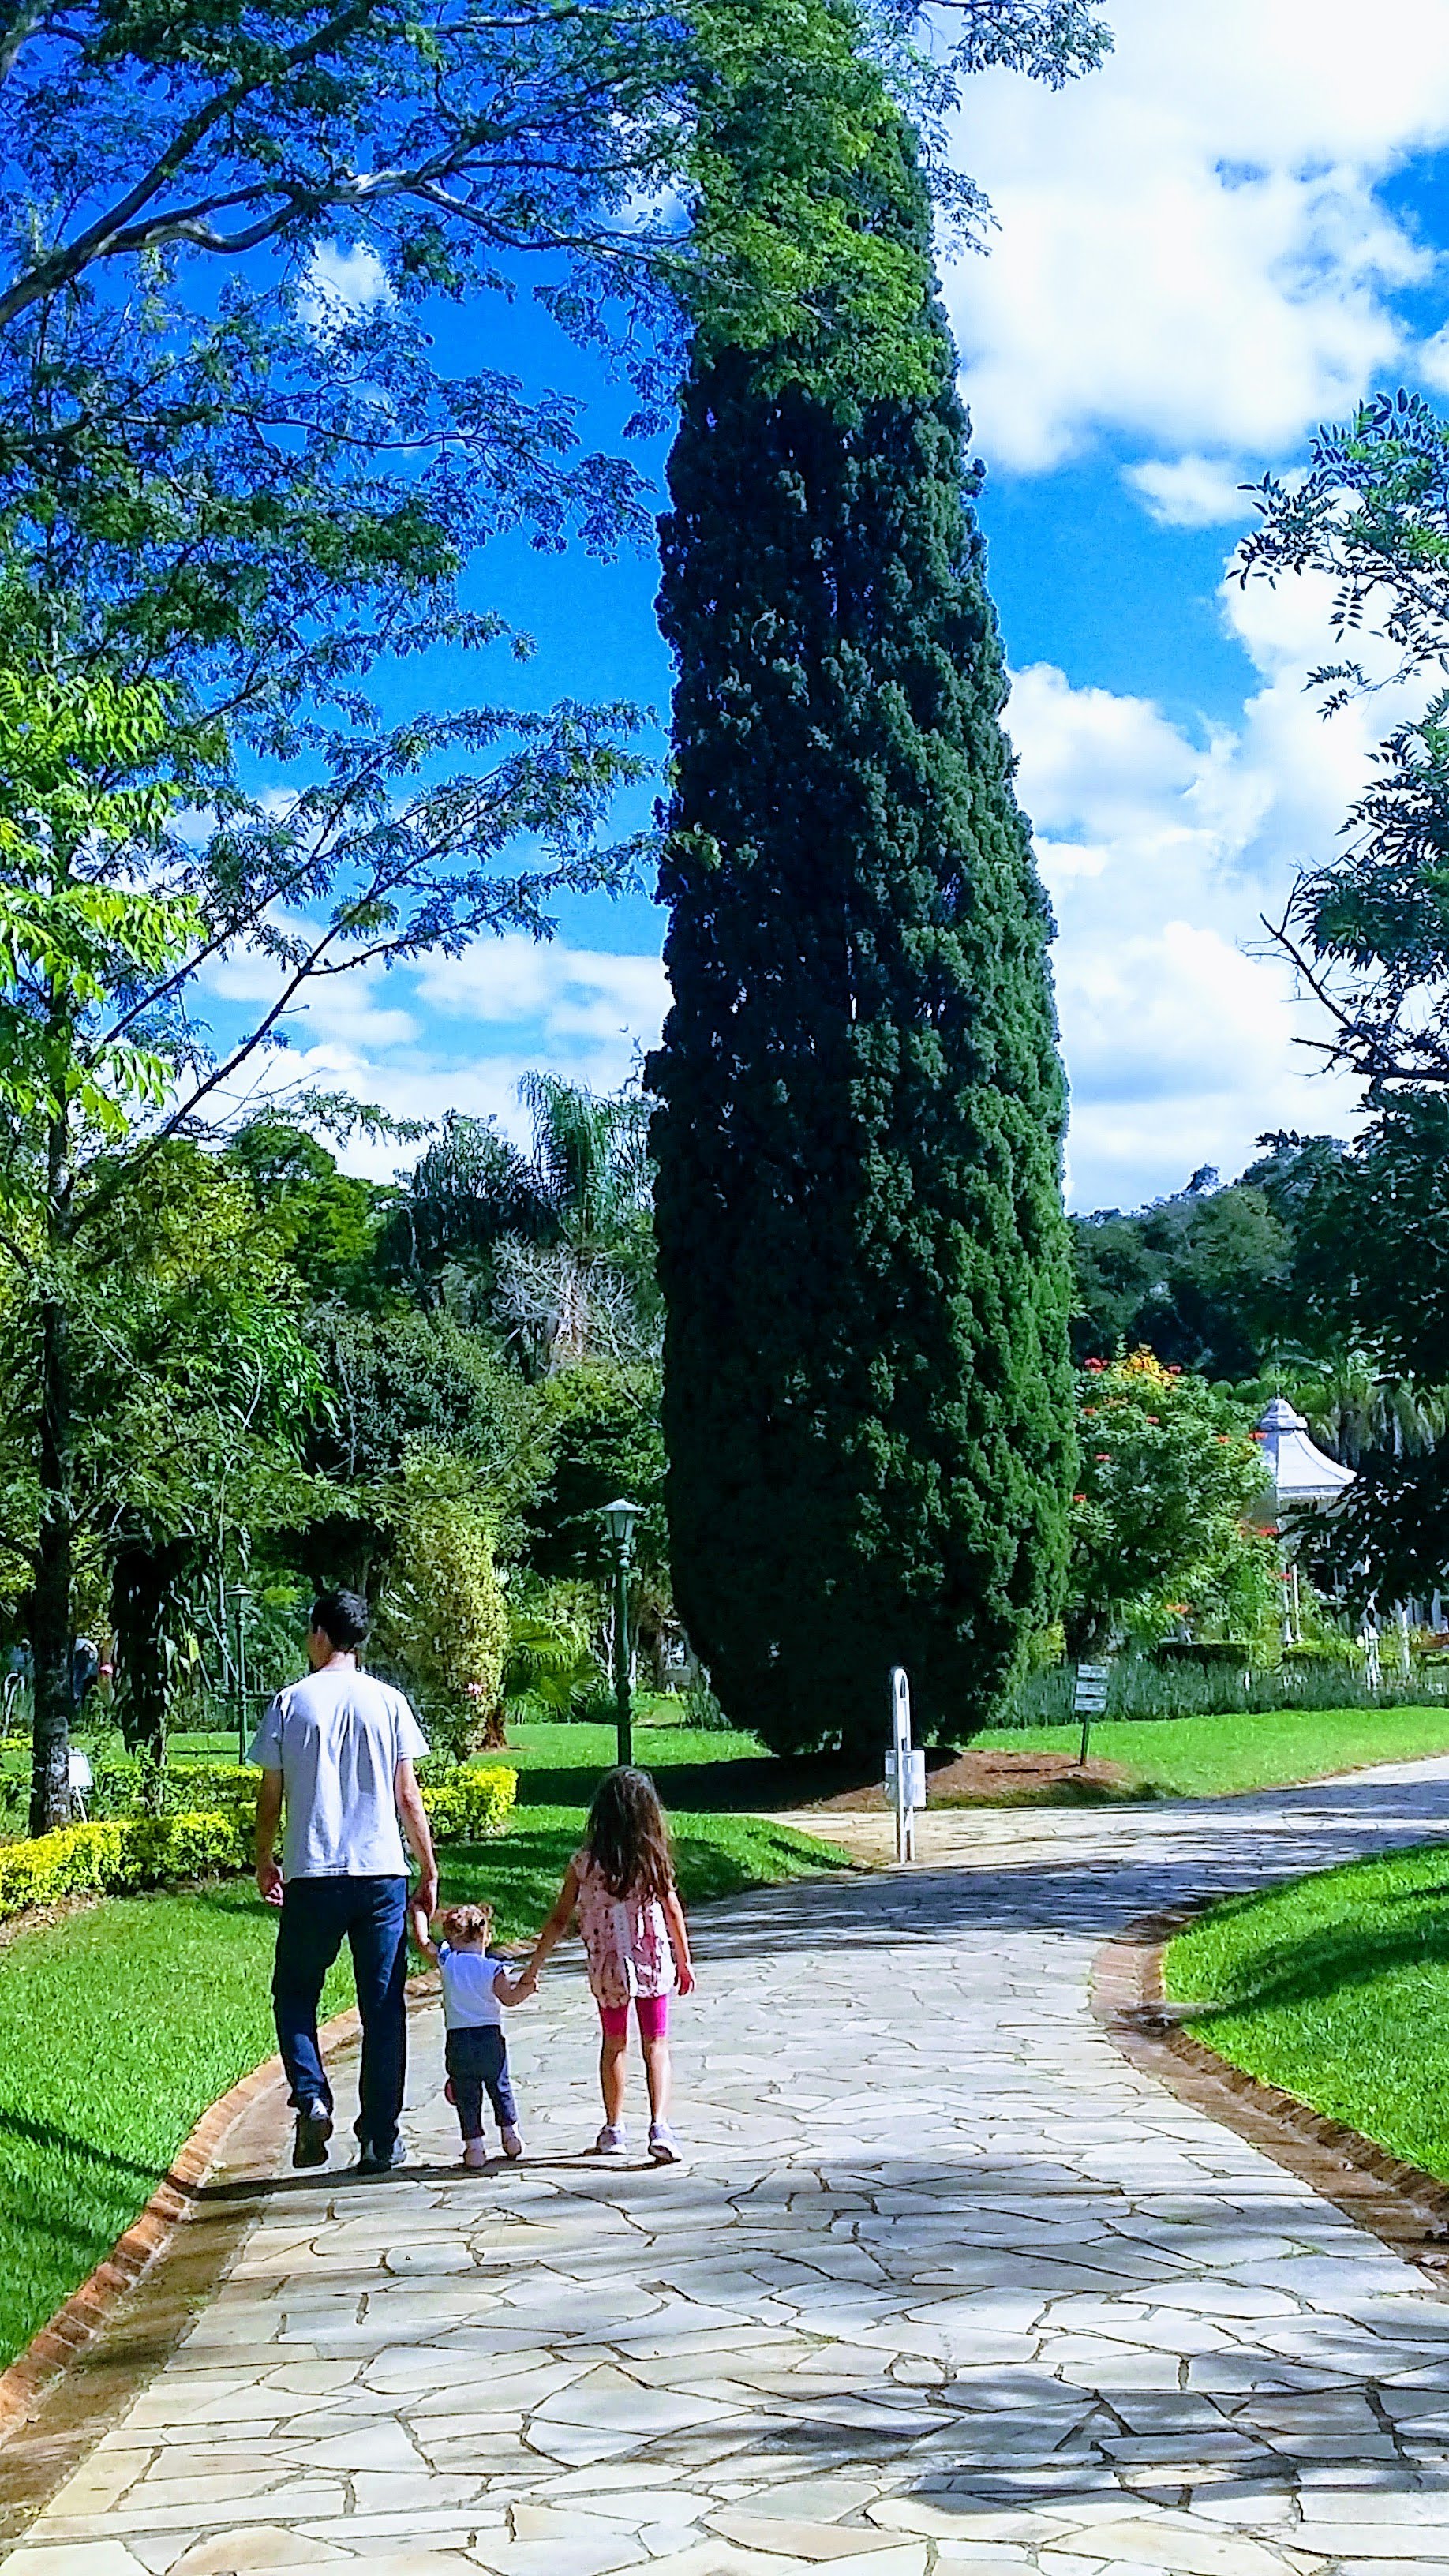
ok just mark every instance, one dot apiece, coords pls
pixel 946 2285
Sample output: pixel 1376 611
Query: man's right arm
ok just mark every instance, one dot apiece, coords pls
pixel 415 1825
pixel 269 1813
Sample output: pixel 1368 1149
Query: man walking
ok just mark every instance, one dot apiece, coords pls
pixel 337 1752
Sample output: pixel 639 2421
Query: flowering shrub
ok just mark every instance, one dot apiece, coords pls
pixel 1160 1523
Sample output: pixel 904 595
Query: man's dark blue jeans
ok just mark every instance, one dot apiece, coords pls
pixel 318 1915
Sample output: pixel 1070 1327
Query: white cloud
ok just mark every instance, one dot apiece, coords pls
pixel 571 993
pixel 1161 854
pixel 1195 492
pixel 1433 361
pixel 340 284
pixel 455 1033
pixel 1191 250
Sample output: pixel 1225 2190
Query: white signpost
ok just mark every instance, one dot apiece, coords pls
pixel 905 1778
pixel 1089 1699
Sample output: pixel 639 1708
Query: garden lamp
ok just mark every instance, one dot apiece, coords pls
pixel 618 1519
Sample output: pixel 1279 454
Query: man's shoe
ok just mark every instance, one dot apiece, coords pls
pixel 610 2141
pixel 369 2160
pixel 663 2144
pixel 314 2128
pixel 475 2152
pixel 512 2144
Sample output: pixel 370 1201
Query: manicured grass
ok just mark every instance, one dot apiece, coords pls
pixel 1210 1757
pixel 119 2025
pixel 1337 1988
pixel 563 1765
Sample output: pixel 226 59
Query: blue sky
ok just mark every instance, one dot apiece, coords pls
pixel 1228 234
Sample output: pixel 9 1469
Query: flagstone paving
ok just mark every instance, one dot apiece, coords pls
pixel 945 2284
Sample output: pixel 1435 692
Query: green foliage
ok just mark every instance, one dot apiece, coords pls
pixel 405 1381
pixel 325 1221
pixel 602 1430
pixel 1197 1279
pixel 1167 1475
pixel 552 1669
pixel 463 1800
pixel 441 1622
pixel 87 780
pixel 867 1396
pixel 138 1785
pixel 1370 514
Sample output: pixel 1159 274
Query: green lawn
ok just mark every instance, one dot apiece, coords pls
pixel 563 1764
pixel 1210 1757
pixel 1337 1988
pixel 1192 1757
pixel 118 2026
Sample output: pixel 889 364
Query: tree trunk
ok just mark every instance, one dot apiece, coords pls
pixel 50 1601
pixel 144 1590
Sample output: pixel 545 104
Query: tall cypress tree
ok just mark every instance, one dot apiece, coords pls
pixel 862 1250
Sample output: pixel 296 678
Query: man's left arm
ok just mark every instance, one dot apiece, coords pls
pixel 415 1825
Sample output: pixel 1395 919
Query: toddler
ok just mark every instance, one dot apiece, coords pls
pixel 621 1885
pixel 475 1988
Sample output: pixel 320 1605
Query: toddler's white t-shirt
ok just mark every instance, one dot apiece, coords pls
pixel 469 2002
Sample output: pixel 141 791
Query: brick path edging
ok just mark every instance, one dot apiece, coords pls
pixel 1399 2203
pixel 80 2317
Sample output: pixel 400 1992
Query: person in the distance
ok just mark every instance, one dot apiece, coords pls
pixel 336 1754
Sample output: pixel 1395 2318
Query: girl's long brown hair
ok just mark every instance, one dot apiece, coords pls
pixel 628 1836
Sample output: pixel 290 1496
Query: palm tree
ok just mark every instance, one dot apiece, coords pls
pixel 576 1279
pixel 1353 1407
pixel 557 1242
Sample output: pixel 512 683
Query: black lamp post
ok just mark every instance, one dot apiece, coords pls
pixel 618 1519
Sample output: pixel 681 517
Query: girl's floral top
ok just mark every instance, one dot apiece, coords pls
pixel 626 1938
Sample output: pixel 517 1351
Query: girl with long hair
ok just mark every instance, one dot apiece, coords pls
pixel 621 1885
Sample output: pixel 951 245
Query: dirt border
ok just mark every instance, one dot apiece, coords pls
pixel 1406 2208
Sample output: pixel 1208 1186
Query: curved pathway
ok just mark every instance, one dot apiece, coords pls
pixel 946 2284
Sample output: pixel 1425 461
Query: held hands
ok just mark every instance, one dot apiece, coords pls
pixel 269 1881
pixel 422 1939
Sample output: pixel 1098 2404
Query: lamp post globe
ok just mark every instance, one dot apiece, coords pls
pixel 618 1519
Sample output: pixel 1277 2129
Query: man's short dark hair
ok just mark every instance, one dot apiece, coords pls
pixel 342 1616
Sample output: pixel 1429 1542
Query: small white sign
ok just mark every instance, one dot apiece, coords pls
pixel 79 1770
pixel 915 1778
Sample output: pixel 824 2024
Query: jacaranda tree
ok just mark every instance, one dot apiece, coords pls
pixel 868 1402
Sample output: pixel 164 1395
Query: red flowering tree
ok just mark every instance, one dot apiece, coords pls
pixel 1159 1524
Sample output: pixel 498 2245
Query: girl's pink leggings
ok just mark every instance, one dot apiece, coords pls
pixel 653 2012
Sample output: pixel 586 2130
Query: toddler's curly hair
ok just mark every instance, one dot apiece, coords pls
pixel 464 1923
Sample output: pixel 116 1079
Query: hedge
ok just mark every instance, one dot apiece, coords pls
pixel 120 1853
pixel 111 1858
pixel 470 1802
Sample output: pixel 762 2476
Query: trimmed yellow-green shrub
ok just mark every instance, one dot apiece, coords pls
pixel 120 1853
pixel 471 1802
pixel 125 1852
pixel 146 1788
